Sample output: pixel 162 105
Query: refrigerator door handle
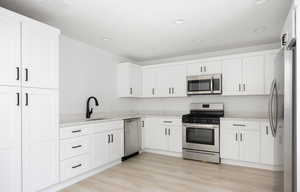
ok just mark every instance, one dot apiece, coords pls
pixel 270 107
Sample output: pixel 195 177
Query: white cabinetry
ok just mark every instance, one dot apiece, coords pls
pixel 40 56
pixel 164 81
pixel 10 140
pixel 204 67
pixel 244 75
pixel 40 138
pixel 29 60
pixel 10 51
pixel 247 141
pixel 164 134
pixel 129 80
pixel 240 140
pixel 271 147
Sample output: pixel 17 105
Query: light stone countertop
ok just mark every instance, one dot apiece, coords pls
pixel 245 116
pixel 79 119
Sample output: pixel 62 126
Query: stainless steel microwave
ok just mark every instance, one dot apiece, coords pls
pixel 204 84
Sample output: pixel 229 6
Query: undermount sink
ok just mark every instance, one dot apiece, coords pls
pixel 96 119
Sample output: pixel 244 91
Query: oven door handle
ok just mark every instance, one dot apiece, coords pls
pixel 202 126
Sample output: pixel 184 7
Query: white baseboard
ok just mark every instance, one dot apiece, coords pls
pixel 79 178
pixel 252 165
pixel 168 153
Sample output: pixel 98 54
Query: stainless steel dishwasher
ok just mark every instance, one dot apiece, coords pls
pixel 132 137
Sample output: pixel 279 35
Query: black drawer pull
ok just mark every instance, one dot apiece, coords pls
pixel 76 131
pixel 168 121
pixel 76 146
pixel 239 125
pixel 74 167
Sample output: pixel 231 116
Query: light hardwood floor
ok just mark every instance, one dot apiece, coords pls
pixel 156 173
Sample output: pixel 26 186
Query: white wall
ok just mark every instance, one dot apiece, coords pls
pixel 88 71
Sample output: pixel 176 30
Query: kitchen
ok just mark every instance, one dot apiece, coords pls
pixel 216 111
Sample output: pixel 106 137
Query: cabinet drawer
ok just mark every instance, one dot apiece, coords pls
pixel 171 121
pixel 108 126
pixel 74 167
pixel 70 132
pixel 73 147
pixel 249 125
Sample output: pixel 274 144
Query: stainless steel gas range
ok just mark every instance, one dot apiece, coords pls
pixel 201 132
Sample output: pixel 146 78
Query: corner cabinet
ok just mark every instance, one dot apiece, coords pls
pixel 28 104
pixel 129 80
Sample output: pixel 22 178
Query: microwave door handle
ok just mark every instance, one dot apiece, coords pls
pixel 211 84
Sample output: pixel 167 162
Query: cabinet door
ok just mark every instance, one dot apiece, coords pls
pixel 10 51
pixel 211 67
pixel 10 140
pixel 100 149
pixel 254 75
pixel 149 82
pixel 232 76
pixel 40 56
pixel 229 144
pixel 267 144
pixel 164 79
pixel 175 139
pixel 116 147
pixel 249 145
pixel 148 133
pixel 178 81
pixel 40 138
pixel 136 80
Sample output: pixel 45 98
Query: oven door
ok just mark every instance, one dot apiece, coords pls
pixel 204 137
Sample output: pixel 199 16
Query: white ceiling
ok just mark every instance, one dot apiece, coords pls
pixel 146 29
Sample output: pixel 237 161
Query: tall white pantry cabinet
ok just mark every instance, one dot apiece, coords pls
pixel 29 62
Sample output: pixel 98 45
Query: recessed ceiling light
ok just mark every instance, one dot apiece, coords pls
pixel 179 21
pixel 260 29
pixel 259 2
pixel 106 39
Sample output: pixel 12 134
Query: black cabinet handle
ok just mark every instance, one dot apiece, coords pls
pixel 108 138
pixel 26 98
pixel 18 73
pixel 74 167
pixel 18 99
pixel 26 74
pixel 143 123
pixel 168 121
pixel 76 131
pixel 239 125
pixel 77 146
pixel 169 132
pixel 112 138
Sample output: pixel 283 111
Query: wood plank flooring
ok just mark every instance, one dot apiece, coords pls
pixel 156 173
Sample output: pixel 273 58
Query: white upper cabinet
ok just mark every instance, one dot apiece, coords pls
pixel 150 85
pixel 40 138
pixel 232 76
pixel 10 139
pixel 10 51
pixel 204 67
pixel 40 56
pixel 129 81
pixel 244 75
pixel 254 75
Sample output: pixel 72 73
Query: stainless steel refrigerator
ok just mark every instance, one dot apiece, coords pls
pixel 289 48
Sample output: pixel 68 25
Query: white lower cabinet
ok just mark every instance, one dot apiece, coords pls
pixel 271 147
pixel 73 167
pixel 250 141
pixel 163 134
pixel 91 146
pixel 10 140
pixel 240 140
